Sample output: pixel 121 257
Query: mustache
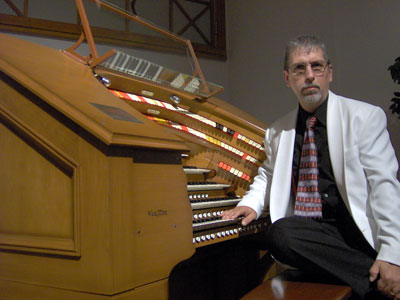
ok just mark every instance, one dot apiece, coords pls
pixel 314 85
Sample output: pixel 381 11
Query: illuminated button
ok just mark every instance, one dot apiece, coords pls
pixel 203 238
pixel 231 231
pixel 212 236
pixel 227 232
pixel 195 216
pixel 223 233
pixel 174 98
pixel 235 230
pixel 218 234
pixel 194 240
pixel 208 237
pixel 198 239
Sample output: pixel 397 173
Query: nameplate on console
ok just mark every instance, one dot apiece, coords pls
pixel 157 213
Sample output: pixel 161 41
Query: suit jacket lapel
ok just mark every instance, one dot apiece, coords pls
pixel 281 184
pixel 335 131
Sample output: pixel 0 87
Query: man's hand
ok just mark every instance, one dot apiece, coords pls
pixel 248 213
pixel 389 281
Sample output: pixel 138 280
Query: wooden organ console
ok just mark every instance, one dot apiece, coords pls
pixel 106 188
pixel 218 170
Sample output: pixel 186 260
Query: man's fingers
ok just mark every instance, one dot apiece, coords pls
pixel 238 211
pixel 249 218
pixel 389 281
pixel 231 214
pixel 374 271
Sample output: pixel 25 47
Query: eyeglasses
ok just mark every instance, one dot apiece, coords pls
pixel 299 70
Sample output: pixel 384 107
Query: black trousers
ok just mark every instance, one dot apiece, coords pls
pixel 325 247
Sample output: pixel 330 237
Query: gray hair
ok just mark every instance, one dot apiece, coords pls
pixel 308 43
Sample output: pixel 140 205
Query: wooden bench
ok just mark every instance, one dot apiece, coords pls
pixel 282 288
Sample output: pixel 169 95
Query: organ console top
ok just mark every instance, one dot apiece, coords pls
pixel 163 77
pixel 109 182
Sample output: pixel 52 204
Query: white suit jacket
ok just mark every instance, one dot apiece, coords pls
pixel 364 166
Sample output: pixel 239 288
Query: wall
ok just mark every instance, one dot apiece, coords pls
pixel 362 38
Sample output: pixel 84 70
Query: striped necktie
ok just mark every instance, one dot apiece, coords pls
pixel 308 199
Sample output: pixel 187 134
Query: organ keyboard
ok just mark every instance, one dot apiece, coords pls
pixel 111 184
pixel 216 202
pixel 208 200
pixel 209 186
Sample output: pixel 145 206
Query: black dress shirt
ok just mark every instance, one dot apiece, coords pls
pixel 333 207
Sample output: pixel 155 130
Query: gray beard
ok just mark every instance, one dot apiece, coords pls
pixel 314 98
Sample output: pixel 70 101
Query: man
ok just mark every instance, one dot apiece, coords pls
pixel 330 181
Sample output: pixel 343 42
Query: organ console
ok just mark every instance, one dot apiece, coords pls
pixel 113 180
pixel 235 161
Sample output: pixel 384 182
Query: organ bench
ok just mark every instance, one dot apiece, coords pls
pixel 285 286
